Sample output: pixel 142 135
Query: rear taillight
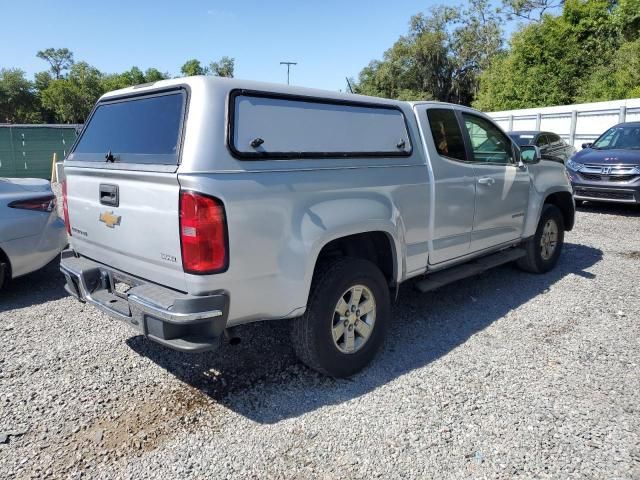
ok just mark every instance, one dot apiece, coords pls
pixel 203 234
pixel 65 207
pixel 38 204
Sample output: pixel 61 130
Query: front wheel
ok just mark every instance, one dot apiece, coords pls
pixel 346 319
pixel 543 250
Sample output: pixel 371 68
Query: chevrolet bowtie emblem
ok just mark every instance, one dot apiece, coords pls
pixel 109 219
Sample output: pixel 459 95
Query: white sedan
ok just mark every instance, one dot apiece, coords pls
pixel 31 233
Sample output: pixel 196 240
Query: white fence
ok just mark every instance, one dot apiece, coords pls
pixel 577 124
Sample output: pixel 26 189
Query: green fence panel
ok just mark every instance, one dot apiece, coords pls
pixel 6 154
pixel 27 150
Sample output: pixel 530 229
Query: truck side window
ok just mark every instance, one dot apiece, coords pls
pixel 446 133
pixel 489 144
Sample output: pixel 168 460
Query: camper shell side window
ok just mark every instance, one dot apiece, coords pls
pixel 266 126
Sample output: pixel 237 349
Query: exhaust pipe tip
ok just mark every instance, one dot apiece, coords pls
pixel 232 336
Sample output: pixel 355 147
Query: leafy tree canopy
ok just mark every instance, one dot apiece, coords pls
pixel 60 59
pixel 620 78
pixel 18 101
pixel 440 58
pixel 131 77
pixel 222 68
pixel 563 51
pixel 193 67
pixel 585 54
pixel 67 91
pixel 73 97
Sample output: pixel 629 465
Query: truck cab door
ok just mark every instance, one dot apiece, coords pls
pixel 502 186
pixel 453 177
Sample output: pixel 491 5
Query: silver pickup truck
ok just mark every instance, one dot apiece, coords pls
pixel 198 204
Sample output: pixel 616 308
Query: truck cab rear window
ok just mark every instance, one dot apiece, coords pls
pixel 265 126
pixel 135 130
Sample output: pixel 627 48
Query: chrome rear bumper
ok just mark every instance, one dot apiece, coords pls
pixel 180 321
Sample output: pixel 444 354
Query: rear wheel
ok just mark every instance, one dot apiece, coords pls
pixel 346 318
pixel 543 250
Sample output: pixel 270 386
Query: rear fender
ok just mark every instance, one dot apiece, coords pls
pixel 334 219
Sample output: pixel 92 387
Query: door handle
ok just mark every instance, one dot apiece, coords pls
pixel 109 195
pixel 486 181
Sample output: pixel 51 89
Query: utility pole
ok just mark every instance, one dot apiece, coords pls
pixel 288 64
pixel 349 84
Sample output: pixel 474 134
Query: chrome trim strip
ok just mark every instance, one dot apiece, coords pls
pixel 598 199
pixel 170 316
pixel 614 169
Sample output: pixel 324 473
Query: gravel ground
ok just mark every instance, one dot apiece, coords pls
pixel 506 374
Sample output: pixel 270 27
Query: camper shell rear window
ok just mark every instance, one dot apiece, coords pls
pixel 142 129
pixel 265 125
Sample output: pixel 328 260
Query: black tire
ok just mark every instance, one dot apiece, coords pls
pixel 534 261
pixel 312 335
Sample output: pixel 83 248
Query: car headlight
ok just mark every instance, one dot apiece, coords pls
pixel 575 166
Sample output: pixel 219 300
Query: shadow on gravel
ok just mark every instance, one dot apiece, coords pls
pixel 44 285
pixel 262 380
pixel 619 209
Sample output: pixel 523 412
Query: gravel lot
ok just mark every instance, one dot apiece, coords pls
pixel 500 375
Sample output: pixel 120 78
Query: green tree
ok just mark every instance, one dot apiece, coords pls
pixel 475 42
pixel 131 77
pixel 41 82
pixel 541 69
pixel 60 59
pixel 440 58
pixel 223 67
pixel 550 61
pixel 618 79
pixel 18 101
pixel 193 67
pixel 72 98
pixel 530 10
pixel 627 16
pixel 115 81
pixel 154 75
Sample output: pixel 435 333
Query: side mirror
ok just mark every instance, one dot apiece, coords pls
pixel 530 154
pixel 587 145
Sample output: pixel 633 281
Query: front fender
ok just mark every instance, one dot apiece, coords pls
pixel 547 178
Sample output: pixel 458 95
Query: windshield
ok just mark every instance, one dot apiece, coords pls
pixel 626 137
pixel 522 138
pixel 140 130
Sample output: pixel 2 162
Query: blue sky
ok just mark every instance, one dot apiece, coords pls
pixel 329 39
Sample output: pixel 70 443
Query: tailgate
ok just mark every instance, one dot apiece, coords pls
pixel 128 220
pixel 122 185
